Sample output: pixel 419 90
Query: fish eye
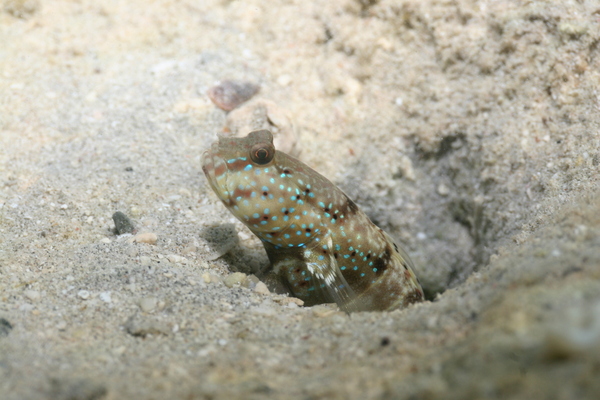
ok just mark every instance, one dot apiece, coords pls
pixel 262 153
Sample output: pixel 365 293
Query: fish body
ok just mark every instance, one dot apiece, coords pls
pixel 320 244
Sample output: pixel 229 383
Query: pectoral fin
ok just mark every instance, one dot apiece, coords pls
pixel 328 279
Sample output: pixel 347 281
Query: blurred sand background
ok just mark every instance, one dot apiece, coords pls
pixel 469 130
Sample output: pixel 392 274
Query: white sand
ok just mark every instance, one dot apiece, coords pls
pixel 469 130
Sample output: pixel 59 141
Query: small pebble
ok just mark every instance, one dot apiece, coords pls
pixel 324 310
pixel 136 212
pixel 250 282
pixel 147 237
pixel 211 278
pixel 289 300
pixel 174 258
pixel 406 168
pixel 83 294
pixel 230 94
pixel 574 29
pixel 163 66
pixel 234 279
pixel 32 295
pixel 243 235
pixel 105 297
pixel 556 252
pixel 148 304
pixel 443 190
pixel 5 327
pixel 190 249
pixel 261 288
pixel 122 223
pixel 284 80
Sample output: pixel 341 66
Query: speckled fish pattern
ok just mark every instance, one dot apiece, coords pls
pixel 320 244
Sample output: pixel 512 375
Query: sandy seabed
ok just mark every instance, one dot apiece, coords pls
pixel 469 130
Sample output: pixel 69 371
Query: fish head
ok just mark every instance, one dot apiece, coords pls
pixel 254 181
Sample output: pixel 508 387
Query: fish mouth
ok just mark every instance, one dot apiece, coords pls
pixel 210 160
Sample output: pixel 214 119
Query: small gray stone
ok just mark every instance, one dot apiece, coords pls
pixel 443 190
pixel 83 294
pixel 122 223
pixel 148 304
pixel 32 295
pixel 105 297
pixel 5 327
